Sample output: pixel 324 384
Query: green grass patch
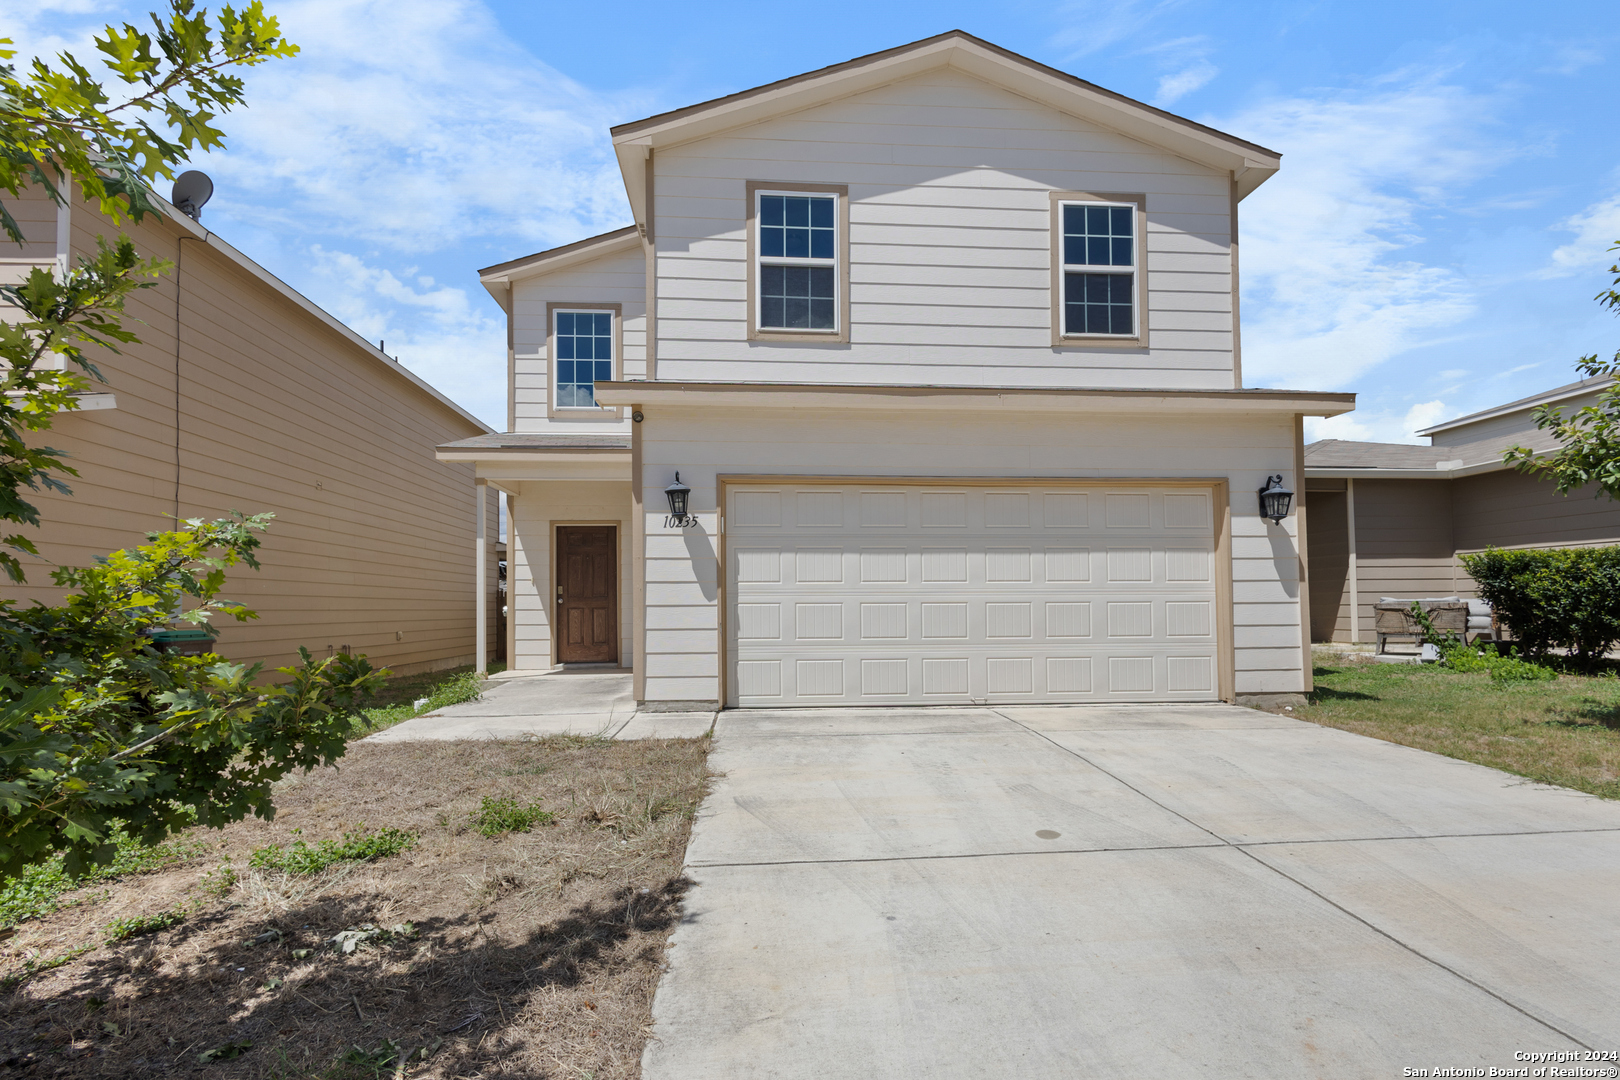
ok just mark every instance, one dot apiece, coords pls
pixel 141 925
pixel 37 891
pixel 407 696
pixel 300 858
pixel 1561 730
pixel 496 816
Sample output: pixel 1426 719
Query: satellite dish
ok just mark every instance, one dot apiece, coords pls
pixel 192 190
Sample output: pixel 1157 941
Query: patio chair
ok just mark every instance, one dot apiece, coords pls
pixel 1392 618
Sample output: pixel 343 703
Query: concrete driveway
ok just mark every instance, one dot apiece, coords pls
pixel 1143 891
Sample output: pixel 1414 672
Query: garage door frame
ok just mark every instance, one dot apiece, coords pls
pixel 1220 497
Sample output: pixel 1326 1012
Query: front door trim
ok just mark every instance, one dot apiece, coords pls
pixel 557 576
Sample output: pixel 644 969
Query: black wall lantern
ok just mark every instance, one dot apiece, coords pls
pixel 1275 500
pixel 677 494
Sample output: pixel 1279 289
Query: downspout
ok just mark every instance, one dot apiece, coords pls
pixel 179 266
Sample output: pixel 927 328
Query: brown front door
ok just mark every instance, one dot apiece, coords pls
pixel 587 588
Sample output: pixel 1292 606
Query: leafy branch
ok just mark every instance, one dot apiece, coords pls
pixel 59 125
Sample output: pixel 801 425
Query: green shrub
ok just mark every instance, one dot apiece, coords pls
pixel 300 858
pixel 504 815
pixel 119 929
pixel 1565 598
pixel 1512 669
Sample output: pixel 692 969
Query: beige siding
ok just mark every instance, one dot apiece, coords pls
pixel 616 278
pixel 1510 509
pixel 1410 533
pixel 269 409
pixel 682 661
pixel 1329 565
pixel 539 508
pixel 1403 549
pixel 950 244
pixel 1516 428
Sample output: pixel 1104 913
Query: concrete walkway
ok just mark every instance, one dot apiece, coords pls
pixel 1149 891
pixel 581 702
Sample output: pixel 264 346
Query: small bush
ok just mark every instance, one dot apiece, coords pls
pixel 1512 669
pixel 300 858
pixel 1565 598
pixel 504 815
pixel 139 925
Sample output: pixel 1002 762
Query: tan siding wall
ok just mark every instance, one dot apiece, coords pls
pixel 373 541
pixel 682 661
pixel 1510 509
pixel 619 278
pixel 950 244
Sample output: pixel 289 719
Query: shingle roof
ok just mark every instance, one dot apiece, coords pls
pixel 1343 454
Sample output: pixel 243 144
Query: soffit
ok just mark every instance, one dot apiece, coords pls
pixel 1251 163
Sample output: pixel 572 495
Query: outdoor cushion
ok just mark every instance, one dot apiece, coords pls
pixel 1479 622
pixel 1422 600
pixel 1477 608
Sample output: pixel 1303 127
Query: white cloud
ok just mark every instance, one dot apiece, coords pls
pixel 434 330
pixel 1183 82
pixel 1090 25
pixel 1387 426
pixel 1327 293
pixel 1596 229
pixel 418 124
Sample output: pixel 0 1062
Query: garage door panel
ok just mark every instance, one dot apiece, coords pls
pixel 882 595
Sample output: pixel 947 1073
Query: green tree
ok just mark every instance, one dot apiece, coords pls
pixel 1589 438
pixel 61 130
pixel 98 728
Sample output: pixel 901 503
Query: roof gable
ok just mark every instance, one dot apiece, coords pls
pixel 1250 163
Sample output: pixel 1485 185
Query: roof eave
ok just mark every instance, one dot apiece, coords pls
pixel 1563 393
pixel 1249 163
pixel 862 396
pixel 551 260
pixel 1352 472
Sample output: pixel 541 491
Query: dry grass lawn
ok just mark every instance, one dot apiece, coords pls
pixel 529 955
pixel 1564 732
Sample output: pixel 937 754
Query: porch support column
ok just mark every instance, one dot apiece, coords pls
pixel 1355 591
pixel 481 562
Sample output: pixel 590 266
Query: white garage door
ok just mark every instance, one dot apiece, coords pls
pixel 865 594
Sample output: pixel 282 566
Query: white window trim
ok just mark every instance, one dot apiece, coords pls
pixel 1138 270
pixel 839 263
pixel 553 309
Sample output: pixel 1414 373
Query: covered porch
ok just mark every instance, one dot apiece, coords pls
pixel 570 546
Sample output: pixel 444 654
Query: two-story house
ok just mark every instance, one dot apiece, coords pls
pixel 944 343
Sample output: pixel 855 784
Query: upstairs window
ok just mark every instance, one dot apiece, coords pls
pixel 584 356
pixel 798 279
pixel 1099 251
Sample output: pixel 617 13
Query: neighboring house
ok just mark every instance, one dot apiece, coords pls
pixel 944 343
pixel 243 395
pixel 1390 519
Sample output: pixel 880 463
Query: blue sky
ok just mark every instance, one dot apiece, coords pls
pixel 1450 181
